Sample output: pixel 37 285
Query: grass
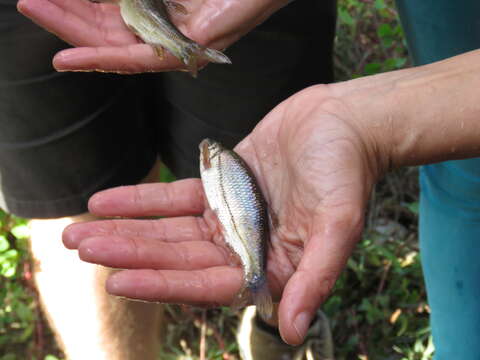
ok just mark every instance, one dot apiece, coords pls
pixel 378 309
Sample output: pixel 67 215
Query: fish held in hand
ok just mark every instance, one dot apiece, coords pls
pixel 149 20
pixel 234 195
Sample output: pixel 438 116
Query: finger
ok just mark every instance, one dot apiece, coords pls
pixel 324 258
pixel 82 8
pixel 171 230
pixel 98 27
pixel 132 58
pixel 183 197
pixel 94 14
pixel 213 286
pixel 137 253
pixel 66 25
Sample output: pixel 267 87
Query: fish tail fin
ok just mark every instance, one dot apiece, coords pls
pixel 194 52
pixel 262 299
pixel 214 56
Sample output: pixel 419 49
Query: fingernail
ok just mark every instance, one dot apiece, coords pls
pixel 60 59
pixel 301 325
pixel 95 202
pixel 72 236
pixel 94 199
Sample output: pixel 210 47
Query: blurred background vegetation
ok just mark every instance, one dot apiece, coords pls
pixel 378 309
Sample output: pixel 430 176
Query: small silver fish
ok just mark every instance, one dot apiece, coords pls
pixel 149 20
pixel 233 194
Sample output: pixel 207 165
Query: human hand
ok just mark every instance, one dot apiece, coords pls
pixel 316 157
pixel 103 42
pixel 316 170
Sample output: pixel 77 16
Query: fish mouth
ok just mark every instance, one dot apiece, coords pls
pixel 211 146
pixel 209 149
pixel 206 144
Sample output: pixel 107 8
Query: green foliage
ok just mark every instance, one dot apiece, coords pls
pixel 187 328
pixel 17 313
pixel 50 357
pixel 378 308
pixel 369 39
pixel 166 175
pixel 18 304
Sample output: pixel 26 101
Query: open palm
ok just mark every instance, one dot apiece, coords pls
pixel 316 174
pixel 103 42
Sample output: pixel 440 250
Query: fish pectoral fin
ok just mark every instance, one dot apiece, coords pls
pixel 273 224
pixel 104 1
pixel 159 51
pixel 175 6
pixel 273 219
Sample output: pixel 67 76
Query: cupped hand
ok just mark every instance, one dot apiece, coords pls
pixel 103 42
pixel 316 167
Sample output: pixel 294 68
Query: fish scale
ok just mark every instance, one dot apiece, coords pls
pixel 233 194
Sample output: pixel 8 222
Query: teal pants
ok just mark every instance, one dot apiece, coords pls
pixel 450 191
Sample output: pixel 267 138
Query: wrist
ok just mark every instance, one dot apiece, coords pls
pixel 369 106
pixel 419 115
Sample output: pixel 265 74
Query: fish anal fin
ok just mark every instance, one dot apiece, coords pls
pixel 261 298
pixel 192 65
pixel 175 7
pixel 242 299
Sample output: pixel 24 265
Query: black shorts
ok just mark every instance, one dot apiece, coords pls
pixel 64 136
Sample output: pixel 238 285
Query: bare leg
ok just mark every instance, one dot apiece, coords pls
pixel 89 323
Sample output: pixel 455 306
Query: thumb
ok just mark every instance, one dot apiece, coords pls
pixel 324 258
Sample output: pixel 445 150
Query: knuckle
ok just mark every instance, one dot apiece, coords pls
pixel 159 228
pixel 137 197
pixel 203 229
pixel 135 248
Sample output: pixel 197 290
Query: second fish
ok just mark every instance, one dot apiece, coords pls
pixel 149 20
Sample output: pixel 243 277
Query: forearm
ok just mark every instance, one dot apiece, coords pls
pixel 422 115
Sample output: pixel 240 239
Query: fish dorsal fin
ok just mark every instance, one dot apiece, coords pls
pixel 175 7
